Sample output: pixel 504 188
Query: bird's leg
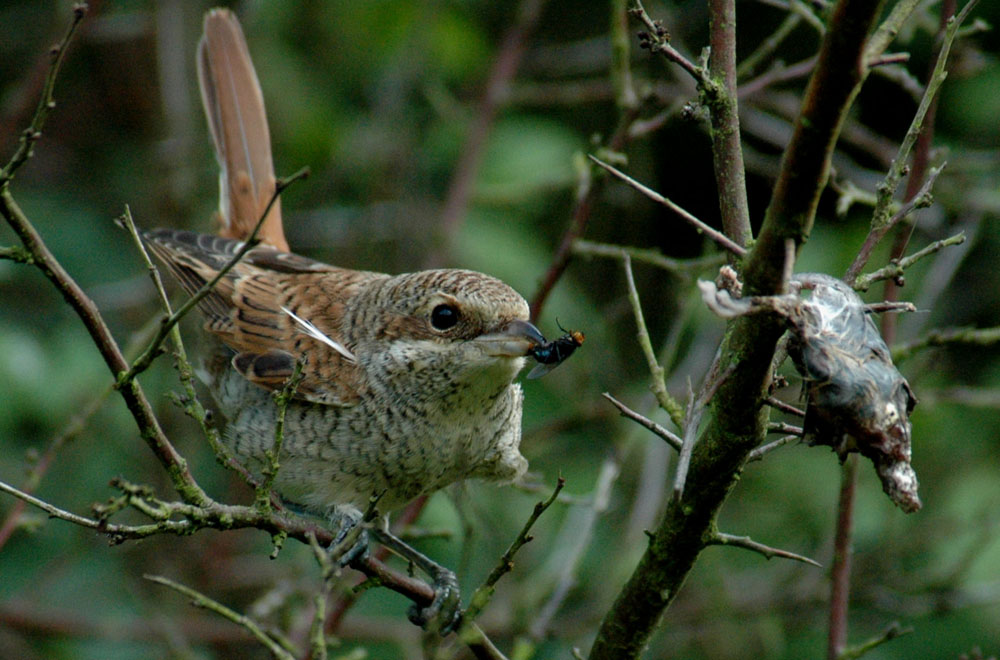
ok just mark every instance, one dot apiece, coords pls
pixel 444 612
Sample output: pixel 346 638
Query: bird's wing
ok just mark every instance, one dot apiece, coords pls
pixel 273 308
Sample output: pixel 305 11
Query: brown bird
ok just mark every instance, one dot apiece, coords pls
pixel 408 380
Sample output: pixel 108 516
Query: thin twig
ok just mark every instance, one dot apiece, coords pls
pixel 75 426
pixel 768 46
pixel 779 73
pixel 897 268
pixel 749 544
pixel 762 451
pixel 946 337
pixel 587 189
pixel 282 398
pixel 878 230
pixel 146 358
pixel 656 372
pixel 842 554
pixel 892 632
pixel 573 552
pixel 199 599
pixel 670 437
pixel 782 427
pixel 721 239
pixel 657 40
pixel 190 402
pixel 482 595
pixel 46 103
pixel 784 407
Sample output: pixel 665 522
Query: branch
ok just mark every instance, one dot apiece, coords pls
pixel 45 104
pixel 199 599
pixel 43 259
pixel 738 422
pixel 878 230
pixel 760 452
pixel 946 337
pixel 897 268
pixel 721 239
pixel 482 595
pixel 657 383
pixel 671 438
pixel 892 632
pixel 749 544
pixel 723 112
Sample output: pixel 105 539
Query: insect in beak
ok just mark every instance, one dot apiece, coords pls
pixel 550 354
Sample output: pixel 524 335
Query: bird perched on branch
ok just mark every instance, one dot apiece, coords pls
pixel 407 380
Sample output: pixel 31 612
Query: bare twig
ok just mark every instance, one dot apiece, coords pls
pixel 586 192
pixel 842 555
pixel 657 40
pixel 75 426
pixel 574 551
pixel 782 427
pixel 146 358
pixel 656 373
pixel 671 438
pixel 946 337
pixel 762 451
pixel 892 632
pixel 483 594
pixel 281 398
pixel 721 239
pixel 766 550
pixel 784 407
pixel 878 231
pixel 45 104
pixel 199 599
pixel 778 73
pixel 767 47
pixel 897 268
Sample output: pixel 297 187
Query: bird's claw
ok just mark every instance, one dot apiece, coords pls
pixel 351 543
pixel 445 612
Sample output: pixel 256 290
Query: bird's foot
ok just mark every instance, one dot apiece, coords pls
pixel 444 613
pixel 351 542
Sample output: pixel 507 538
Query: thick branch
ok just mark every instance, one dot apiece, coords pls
pixel 727 150
pixel 739 422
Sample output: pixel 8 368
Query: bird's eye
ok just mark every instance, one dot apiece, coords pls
pixel 444 317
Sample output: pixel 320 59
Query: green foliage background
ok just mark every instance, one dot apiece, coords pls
pixel 377 98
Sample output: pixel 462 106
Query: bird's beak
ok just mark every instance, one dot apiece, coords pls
pixel 513 340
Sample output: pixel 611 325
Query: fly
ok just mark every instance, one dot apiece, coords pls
pixel 552 353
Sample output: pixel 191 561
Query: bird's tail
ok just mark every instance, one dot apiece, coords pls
pixel 237 122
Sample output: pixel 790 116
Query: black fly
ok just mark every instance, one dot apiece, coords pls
pixel 552 353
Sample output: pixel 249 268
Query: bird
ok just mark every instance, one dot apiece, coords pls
pixel 407 381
